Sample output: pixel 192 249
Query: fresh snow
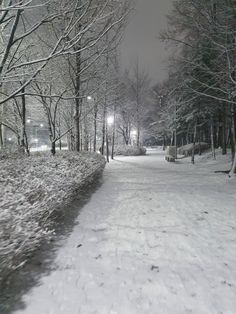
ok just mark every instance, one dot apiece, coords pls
pixel 156 237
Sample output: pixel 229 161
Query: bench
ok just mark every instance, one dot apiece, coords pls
pixel 170 154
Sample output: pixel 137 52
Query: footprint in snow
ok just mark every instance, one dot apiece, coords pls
pixel 155 268
pixel 98 257
pixel 224 282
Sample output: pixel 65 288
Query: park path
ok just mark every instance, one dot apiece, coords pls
pixel 155 238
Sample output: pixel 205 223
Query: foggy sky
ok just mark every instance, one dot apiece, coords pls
pixel 141 38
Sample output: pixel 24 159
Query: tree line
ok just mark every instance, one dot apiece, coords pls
pixel 59 63
pixel 197 103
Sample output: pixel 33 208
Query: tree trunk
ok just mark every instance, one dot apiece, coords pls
pixel 86 135
pixel 107 144
pixel 176 150
pixel 53 148
pixel 104 129
pixel 212 140
pixel 224 141
pixel 95 128
pixel 24 139
pixel 194 142
pixel 77 103
pixel 1 136
pixel 77 126
pixel 138 134
pixel 164 143
pixel 113 138
pixel 233 140
pixel 199 143
pixel 173 139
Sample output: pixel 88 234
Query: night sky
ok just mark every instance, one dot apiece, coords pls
pixel 142 37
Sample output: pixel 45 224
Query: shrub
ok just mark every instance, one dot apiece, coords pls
pixel 186 150
pixel 128 150
pixel 33 191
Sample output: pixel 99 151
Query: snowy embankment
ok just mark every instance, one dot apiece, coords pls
pixel 33 190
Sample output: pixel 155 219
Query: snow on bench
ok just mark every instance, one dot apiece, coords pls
pixel 170 154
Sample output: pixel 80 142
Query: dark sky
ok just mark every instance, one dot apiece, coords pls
pixel 141 39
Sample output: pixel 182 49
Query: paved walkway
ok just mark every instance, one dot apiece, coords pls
pixel 155 238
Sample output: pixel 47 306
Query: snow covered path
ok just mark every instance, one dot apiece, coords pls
pixel 155 238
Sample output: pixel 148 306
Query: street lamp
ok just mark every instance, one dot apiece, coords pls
pixel 110 120
pixel 89 98
pixel 134 133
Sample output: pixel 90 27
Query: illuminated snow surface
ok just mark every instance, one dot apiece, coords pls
pixel 156 238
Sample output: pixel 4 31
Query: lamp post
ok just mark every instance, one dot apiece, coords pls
pixel 110 120
pixel 133 134
pixel 111 123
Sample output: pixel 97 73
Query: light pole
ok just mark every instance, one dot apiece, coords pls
pixel 133 134
pixel 110 124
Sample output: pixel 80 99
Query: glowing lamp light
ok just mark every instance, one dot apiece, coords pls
pixel 9 139
pixel 134 133
pixel 89 97
pixel 28 120
pixel 36 140
pixel 41 125
pixel 110 120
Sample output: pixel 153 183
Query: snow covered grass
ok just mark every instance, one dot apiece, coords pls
pixel 33 190
pixel 220 163
pixel 128 150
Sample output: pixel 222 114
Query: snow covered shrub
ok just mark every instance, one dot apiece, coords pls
pixel 11 153
pixel 33 190
pixel 186 150
pixel 128 150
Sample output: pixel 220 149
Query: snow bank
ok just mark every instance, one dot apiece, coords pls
pixel 32 190
pixel 128 150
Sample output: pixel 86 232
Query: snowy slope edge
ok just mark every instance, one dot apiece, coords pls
pixel 32 190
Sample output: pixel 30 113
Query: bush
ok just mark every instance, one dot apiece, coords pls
pixel 128 150
pixel 33 190
pixel 186 150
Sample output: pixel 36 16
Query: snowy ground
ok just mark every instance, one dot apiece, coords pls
pixel 155 238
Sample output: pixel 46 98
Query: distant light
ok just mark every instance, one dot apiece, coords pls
pixel 44 147
pixel 89 98
pixel 41 125
pixel 9 139
pixel 36 140
pixel 134 133
pixel 28 120
pixel 110 120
